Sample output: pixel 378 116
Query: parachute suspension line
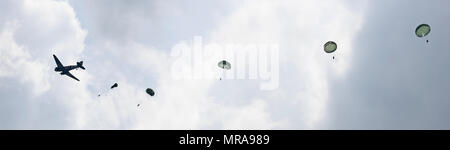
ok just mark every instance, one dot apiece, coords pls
pixel 108 90
pixel 102 93
pixel 223 71
pixel 224 65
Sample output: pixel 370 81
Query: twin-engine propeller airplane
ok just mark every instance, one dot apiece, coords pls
pixel 65 69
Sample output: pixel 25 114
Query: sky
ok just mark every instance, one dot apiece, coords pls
pixel 382 77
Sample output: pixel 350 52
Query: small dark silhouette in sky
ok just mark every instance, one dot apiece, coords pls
pixel 114 86
pixel 65 69
pixel 150 92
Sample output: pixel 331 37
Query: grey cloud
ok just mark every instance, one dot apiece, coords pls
pixel 116 27
pixel 23 110
pixel 396 81
pixel 158 23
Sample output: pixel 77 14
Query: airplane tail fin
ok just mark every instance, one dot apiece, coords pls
pixel 80 64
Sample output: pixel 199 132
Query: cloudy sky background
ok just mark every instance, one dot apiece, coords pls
pixel 383 76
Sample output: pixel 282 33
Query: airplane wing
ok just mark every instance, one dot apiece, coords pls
pixel 70 75
pixel 58 63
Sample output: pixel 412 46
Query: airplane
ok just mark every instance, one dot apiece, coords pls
pixel 65 69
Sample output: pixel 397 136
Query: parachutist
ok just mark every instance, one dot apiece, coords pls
pixel 138 105
pixel 333 57
pixel 428 41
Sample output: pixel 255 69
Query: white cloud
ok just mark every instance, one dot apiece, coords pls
pixel 300 28
pixel 182 104
pixel 16 62
pixel 196 104
pixel 27 42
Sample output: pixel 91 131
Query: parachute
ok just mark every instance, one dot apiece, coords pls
pixel 330 47
pixel 114 86
pixel 225 65
pixel 150 92
pixel 423 30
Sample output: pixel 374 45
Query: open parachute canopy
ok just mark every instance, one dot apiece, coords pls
pixel 114 86
pixel 330 47
pixel 423 30
pixel 150 92
pixel 224 65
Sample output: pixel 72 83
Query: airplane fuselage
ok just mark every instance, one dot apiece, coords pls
pixel 65 68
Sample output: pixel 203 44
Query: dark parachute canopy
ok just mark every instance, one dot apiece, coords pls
pixel 114 86
pixel 330 47
pixel 150 92
pixel 423 30
pixel 224 65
